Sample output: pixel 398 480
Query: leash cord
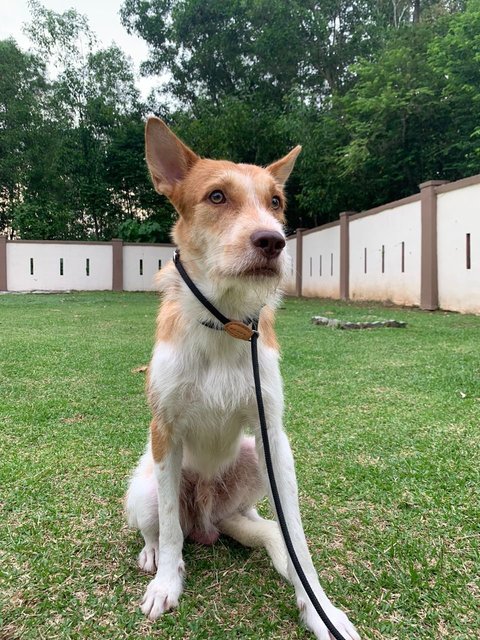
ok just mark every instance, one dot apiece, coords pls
pixel 266 445
pixel 276 498
pixel 196 291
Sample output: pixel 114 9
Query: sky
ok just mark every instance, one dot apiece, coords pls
pixel 104 19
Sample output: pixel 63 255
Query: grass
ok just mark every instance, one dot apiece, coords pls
pixel 385 429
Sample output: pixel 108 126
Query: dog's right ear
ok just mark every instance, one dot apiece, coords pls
pixel 168 159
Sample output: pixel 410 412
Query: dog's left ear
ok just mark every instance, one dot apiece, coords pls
pixel 282 168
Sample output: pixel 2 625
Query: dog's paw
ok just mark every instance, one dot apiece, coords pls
pixel 147 560
pixel 162 595
pixel 339 620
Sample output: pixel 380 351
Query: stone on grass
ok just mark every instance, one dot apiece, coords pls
pixel 341 324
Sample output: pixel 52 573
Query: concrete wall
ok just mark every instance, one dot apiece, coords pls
pixel 458 225
pixel 140 264
pixel 321 262
pixel 422 250
pixel 291 280
pixel 58 266
pixel 385 255
pixel 83 266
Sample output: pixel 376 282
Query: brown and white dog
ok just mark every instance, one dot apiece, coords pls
pixel 200 475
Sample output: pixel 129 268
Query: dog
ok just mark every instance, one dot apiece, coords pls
pixel 200 475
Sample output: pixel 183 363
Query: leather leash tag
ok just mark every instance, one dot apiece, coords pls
pixel 238 330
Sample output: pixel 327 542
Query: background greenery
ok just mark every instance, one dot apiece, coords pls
pixel 384 428
pixel 382 94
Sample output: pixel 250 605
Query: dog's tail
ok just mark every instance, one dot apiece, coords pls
pixel 254 531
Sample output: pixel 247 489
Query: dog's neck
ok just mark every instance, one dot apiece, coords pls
pixel 235 298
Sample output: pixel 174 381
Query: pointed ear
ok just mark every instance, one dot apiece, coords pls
pixel 282 168
pixel 168 159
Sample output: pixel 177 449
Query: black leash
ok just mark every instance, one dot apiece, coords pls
pixel 196 292
pixel 242 331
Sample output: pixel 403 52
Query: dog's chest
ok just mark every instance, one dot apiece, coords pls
pixel 205 390
pixel 202 385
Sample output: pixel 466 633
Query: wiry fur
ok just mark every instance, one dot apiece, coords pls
pixel 200 475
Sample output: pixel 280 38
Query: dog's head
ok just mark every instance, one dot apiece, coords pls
pixel 231 215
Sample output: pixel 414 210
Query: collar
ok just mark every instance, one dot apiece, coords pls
pixel 213 325
pixel 236 328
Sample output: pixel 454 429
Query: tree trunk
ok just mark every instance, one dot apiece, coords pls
pixel 416 11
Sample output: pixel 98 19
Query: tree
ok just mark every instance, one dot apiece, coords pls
pixel 214 49
pixel 72 162
pixel 22 96
pixel 393 120
pixel 454 57
pixel 382 94
pixel 410 115
pixel 350 81
pixel 92 95
pixel 145 217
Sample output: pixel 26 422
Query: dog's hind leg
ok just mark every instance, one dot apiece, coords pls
pixel 257 532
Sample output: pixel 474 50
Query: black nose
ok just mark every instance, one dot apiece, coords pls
pixel 270 243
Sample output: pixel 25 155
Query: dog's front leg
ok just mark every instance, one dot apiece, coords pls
pixel 284 470
pixel 165 589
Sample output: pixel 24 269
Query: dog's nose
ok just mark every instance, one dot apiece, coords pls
pixel 270 243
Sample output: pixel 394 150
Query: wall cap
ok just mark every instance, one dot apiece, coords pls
pixel 334 223
pixel 385 207
pixel 86 242
pixel 431 183
pixel 97 243
pixel 459 184
pixel 168 245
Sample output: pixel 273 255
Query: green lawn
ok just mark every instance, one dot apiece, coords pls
pixel 385 429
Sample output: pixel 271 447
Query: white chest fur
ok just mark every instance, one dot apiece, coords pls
pixel 204 388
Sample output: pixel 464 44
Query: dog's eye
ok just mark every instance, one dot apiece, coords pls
pixel 275 202
pixel 217 197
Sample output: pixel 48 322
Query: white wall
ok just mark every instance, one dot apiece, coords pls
pixel 46 266
pixel 387 229
pixel 321 263
pixel 290 283
pixel 151 256
pixel 458 213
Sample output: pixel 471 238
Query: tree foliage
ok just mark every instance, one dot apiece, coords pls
pixel 382 94
pixel 22 90
pixel 362 85
pixel 215 49
pixel 73 145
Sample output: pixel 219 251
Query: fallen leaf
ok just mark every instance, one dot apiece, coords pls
pixel 140 369
pixel 73 419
